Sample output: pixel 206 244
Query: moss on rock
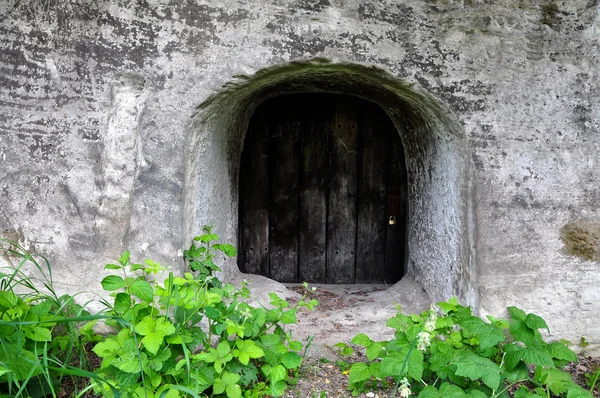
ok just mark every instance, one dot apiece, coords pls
pixel 582 239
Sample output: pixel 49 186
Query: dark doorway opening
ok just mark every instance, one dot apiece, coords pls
pixel 323 192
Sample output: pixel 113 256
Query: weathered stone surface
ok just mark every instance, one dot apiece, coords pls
pixel 99 150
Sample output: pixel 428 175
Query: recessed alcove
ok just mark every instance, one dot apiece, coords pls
pixel 438 249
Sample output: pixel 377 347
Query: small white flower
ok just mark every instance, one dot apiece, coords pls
pixel 429 325
pixel 423 340
pixel 404 388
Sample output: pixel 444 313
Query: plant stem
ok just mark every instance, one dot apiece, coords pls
pixel 596 375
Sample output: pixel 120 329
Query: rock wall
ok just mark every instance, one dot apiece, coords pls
pixel 98 99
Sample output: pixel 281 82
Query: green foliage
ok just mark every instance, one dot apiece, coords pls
pixel 448 352
pixel 193 334
pixel 40 332
pixel 592 378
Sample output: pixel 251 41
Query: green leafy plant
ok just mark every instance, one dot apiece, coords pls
pixel 448 352
pixel 592 378
pixel 193 334
pixel 41 333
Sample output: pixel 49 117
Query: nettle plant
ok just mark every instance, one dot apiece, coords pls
pixel 447 352
pixel 194 335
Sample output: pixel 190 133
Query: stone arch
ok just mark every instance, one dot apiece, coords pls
pixel 440 254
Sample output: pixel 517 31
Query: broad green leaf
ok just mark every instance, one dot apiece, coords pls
pixel 152 341
pixel 373 351
pixel 142 392
pixel 213 298
pixel 451 391
pixel 247 349
pixel 473 366
pixel 20 362
pixel 476 394
pixel 226 248
pixel 446 391
pixel 38 333
pixel 8 299
pixel 535 322
pixel 153 267
pixel 278 301
pixel 362 340
pixel 517 314
pixel 396 364
pixel 523 392
pixel 518 373
pixel 575 391
pixel 164 326
pixel 277 373
pixel 557 380
pixel 429 392
pixel 106 348
pixel 278 388
pixel 291 360
pixel 233 391
pixel 230 378
pixel 359 372
pixel 122 302
pixel 171 392
pixel 112 266
pixel 522 332
pixel 513 355
pixel 560 351
pixel 207 238
pixel 449 305
pixel 128 363
pixel 400 322
pixel 112 283
pixel 145 326
pixel 143 290
pixel 223 349
pixel 488 335
pixel 209 356
pixel 124 259
pixel 536 356
pixel 295 345
pixel 288 317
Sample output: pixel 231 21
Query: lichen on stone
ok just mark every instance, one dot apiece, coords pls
pixel 582 239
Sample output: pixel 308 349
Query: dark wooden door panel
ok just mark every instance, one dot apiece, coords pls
pixel 396 207
pixel 341 221
pixel 254 206
pixel 372 185
pixel 283 166
pixel 313 190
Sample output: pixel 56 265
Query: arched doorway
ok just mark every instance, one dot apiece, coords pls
pixel 440 248
pixel 323 192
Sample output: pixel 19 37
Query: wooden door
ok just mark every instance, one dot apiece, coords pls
pixel 320 177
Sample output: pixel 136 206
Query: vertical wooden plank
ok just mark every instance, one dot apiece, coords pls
pixel 254 199
pixel 370 242
pixel 341 222
pixel 283 166
pixel 316 116
pixel 396 206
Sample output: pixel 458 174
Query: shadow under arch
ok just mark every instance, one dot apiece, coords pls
pixel 439 227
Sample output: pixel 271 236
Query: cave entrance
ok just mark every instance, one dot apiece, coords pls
pixel 323 192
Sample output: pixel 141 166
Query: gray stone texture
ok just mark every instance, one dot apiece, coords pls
pixel 102 147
